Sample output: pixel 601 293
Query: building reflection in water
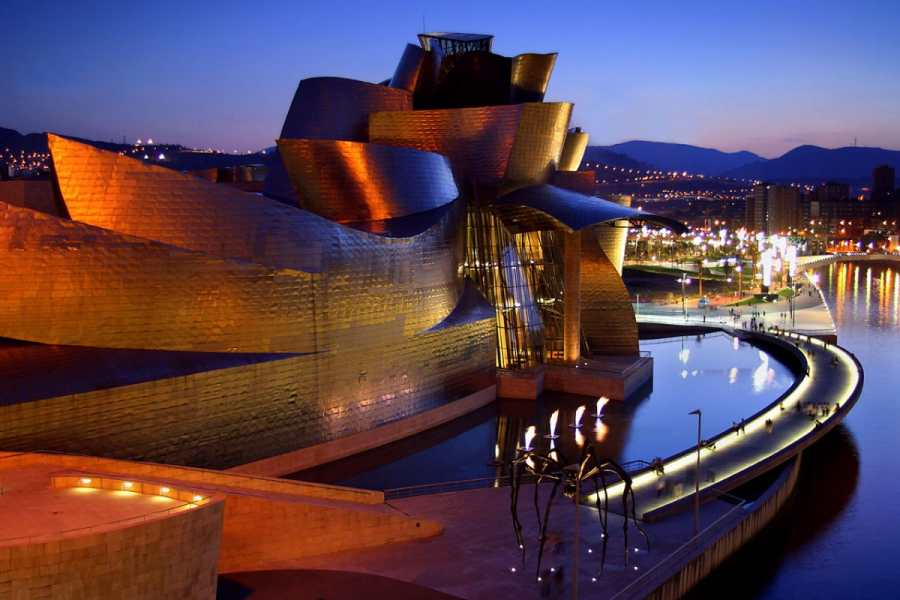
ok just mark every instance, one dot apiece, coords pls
pixel 828 479
pixel 726 382
pixel 879 300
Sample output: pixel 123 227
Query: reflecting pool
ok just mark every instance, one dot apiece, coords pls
pixel 726 378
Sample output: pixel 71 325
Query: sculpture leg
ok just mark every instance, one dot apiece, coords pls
pixel 625 518
pixel 514 507
pixel 544 526
pixel 635 519
pixel 537 508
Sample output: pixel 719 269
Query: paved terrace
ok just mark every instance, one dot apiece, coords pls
pixel 31 508
pixel 476 557
pixel 811 314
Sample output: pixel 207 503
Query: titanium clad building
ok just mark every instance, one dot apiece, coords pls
pixel 413 237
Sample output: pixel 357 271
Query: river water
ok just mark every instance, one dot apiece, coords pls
pixel 838 536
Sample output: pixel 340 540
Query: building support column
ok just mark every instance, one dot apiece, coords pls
pixel 572 297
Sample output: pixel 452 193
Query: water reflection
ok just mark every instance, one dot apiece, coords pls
pixel 827 481
pixel 837 537
pixel 723 380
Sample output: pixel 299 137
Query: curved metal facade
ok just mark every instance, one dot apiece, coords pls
pixel 539 143
pixel 352 181
pixel 476 140
pixel 334 108
pixel 486 145
pixel 607 317
pixel 413 65
pixel 286 325
pixel 573 150
pixel 530 76
pixel 613 236
pixel 549 207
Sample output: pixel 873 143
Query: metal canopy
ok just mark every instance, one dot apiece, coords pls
pixel 547 207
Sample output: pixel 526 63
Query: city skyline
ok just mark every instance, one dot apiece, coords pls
pixel 659 73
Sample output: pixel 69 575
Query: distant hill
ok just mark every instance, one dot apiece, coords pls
pixel 811 164
pixel 177 156
pixel 684 157
pixel 15 141
pixel 603 155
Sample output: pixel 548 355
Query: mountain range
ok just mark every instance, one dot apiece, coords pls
pixel 804 164
pixel 683 157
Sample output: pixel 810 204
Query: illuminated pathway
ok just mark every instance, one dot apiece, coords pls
pixel 813 405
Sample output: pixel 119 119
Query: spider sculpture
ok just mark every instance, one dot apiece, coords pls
pixel 550 467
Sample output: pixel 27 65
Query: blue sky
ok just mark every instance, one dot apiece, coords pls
pixel 764 76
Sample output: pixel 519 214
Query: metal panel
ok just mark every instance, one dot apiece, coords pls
pixel 352 181
pixel 413 67
pixel 613 236
pixel 69 283
pixel 531 76
pixel 607 317
pixel 539 142
pixel 335 108
pixel 469 79
pixel 134 293
pixel 582 182
pixel 535 207
pixel 476 140
pixel 486 145
pixel 126 195
pixel 238 414
pixel 573 150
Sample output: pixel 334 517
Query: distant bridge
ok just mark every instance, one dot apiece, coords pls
pixel 820 260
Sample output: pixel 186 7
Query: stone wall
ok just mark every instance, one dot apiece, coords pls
pixel 171 556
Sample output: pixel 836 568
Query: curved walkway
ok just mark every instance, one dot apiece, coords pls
pixel 817 401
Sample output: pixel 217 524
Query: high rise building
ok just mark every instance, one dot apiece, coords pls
pixel 832 191
pixel 783 208
pixel 883 181
pixel 755 210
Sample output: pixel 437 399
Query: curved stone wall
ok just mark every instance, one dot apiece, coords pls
pixel 170 556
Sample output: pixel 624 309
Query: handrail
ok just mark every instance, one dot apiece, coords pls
pixel 476 483
pixel 683 548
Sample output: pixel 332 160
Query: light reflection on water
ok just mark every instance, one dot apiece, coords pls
pixel 727 381
pixel 837 537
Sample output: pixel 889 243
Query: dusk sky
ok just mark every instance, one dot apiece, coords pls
pixel 762 76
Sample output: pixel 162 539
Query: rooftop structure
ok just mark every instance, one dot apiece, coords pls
pixel 456 43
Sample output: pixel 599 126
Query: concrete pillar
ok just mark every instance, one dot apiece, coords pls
pixel 572 297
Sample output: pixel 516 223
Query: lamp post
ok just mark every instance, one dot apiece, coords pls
pixel 697 474
pixel 740 271
pixel 685 280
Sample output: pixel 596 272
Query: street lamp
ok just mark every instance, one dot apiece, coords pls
pixel 740 271
pixel 684 280
pixel 697 473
